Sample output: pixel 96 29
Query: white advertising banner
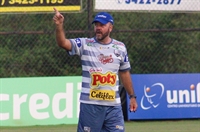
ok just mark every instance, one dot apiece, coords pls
pixel 148 5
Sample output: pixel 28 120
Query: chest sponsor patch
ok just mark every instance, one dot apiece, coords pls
pixel 98 94
pixel 99 79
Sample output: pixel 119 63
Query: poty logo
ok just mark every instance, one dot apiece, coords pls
pixel 103 79
pixel 152 100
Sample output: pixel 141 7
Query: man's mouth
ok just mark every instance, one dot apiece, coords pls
pixel 98 32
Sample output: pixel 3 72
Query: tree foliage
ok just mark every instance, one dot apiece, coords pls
pixel 156 43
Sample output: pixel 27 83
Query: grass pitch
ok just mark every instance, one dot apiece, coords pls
pixel 130 126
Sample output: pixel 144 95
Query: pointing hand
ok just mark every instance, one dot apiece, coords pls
pixel 58 18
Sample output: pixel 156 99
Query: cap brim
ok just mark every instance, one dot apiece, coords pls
pixel 100 20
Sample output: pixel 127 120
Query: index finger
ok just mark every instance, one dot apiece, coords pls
pixel 56 11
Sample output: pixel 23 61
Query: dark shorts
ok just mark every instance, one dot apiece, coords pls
pixel 98 118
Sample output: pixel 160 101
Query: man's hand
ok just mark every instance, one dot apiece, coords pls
pixel 133 105
pixel 58 18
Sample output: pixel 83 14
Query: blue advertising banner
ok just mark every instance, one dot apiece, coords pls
pixel 166 96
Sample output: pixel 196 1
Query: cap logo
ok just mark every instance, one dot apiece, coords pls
pixel 101 16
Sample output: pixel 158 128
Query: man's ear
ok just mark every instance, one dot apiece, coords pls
pixel 111 27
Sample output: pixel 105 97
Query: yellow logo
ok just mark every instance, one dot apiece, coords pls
pixel 97 94
pixel 103 79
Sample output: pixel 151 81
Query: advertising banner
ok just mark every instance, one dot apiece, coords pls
pixel 148 5
pixel 39 101
pixel 23 6
pixel 166 96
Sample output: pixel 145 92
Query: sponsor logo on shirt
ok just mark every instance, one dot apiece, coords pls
pixel 89 44
pixel 118 43
pixel 95 70
pixel 78 42
pixel 117 53
pixel 103 79
pixel 116 46
pixel 98 94
pixel 89 40
pixel 105 59
pixel 104 48
pixel 126 58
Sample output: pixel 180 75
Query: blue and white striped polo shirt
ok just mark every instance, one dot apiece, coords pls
pixel 100 66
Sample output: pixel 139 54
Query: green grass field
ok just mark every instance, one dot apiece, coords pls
pixel 131 126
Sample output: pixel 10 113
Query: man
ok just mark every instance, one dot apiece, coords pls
pixel 103 59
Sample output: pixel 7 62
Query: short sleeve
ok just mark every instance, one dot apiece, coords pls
pixel 77 46
pixel 125 64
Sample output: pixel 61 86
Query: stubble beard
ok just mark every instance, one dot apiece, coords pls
pixel 103 36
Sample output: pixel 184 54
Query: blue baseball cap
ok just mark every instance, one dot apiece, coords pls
pixel 104 18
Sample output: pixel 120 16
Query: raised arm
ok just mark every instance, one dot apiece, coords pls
pixel 127 83
pixel 60 34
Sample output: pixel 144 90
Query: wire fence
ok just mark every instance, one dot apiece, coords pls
pixel 156 42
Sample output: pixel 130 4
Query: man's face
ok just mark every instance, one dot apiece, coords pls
pixel 102 30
